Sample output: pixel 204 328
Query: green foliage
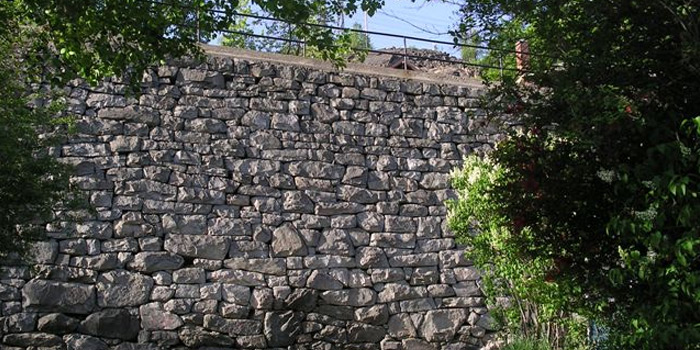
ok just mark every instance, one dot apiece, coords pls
pixel 243 25
pixel 598 188
pixel 348 45
pixel 32 181
pixel 353 46
pixel 526 344
pixel 470 54
pixel 359 44
pixel 56 41
pixel 97 39
pixel 534 307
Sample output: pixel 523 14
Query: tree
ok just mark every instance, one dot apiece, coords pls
pixel 54 41
pixel 593 199
pixel 242 28
pixel 32 182
pixel 96 39
pixel 360 40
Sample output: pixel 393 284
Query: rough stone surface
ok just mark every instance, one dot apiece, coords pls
pixel 57 324
pixel 197 246
pixel 123 288
pixel 441 325
pixel 286 241
pixel 250 204
pixel 154 317
pixel 281 328
pixel 52 296
pixel 156 261
pixel 111 323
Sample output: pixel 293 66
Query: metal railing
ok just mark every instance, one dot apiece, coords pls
pixel 404 39
pixel 502 53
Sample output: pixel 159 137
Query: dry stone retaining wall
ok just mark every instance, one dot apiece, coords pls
pixel 243 204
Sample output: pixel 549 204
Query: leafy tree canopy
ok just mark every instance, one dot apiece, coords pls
pixel 591 206
pixel 99 38
pixel 59 40
pixel 32 182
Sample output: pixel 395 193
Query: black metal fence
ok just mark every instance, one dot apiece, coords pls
pixel 502 55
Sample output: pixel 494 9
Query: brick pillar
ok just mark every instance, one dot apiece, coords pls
pixel 522 55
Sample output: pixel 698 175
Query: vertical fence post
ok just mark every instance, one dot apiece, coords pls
pixel 199 31
pixel 289 36
pixel 500 65
pixel 405 55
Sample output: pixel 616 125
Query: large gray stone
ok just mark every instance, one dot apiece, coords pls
pixel 111 323
pixel 401 326
pixel 282 328
pixel 297 202
pixel 488 323
pixel 154 317
pixel 232 327
pixel 80 342
pixel 301 299
pixel 44 340
pixel 351 297
pixel 441 325
pixel 336 242
pixel 198 246
pixel 401 291
pixel 155 261
pixel 185 224
pixel 376 315
pixel 19 322
pixel 371 257
pixel 371 221
pixel 44 252
pixel 57 324
pixel 235 294
pixel 239 277
pixel 364 333
pixel 121 288
pixel 318 170
pixel 323 281
pixel 52 296
pixel 273 266
pixel 192 275
pixel 8 293
pixel 197 337
pixel 286 241
pixel 416 344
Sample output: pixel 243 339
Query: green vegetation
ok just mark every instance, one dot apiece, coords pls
pixel 54 41
pixel 96 39
pixel 348 45
pixel 526 344
pixel 589 209
pixel 32 183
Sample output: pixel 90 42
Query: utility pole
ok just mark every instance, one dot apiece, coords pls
pixel 366 34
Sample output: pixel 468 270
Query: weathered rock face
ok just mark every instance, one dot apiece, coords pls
pixel 111 323
pixel 123 288
pixel 282 328
pixel 254 205
pixel 53 296
pixel 286 241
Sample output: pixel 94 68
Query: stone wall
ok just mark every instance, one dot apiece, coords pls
pixel 244 204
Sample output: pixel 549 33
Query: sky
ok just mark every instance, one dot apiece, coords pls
pixel 419 18
pixel 424 19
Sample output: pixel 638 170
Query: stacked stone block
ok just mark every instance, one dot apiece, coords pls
pixel 246 204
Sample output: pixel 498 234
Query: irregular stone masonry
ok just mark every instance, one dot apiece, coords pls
pixel 253 205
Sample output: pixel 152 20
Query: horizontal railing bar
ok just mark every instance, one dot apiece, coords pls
pixel 361 31
pixel 376 51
